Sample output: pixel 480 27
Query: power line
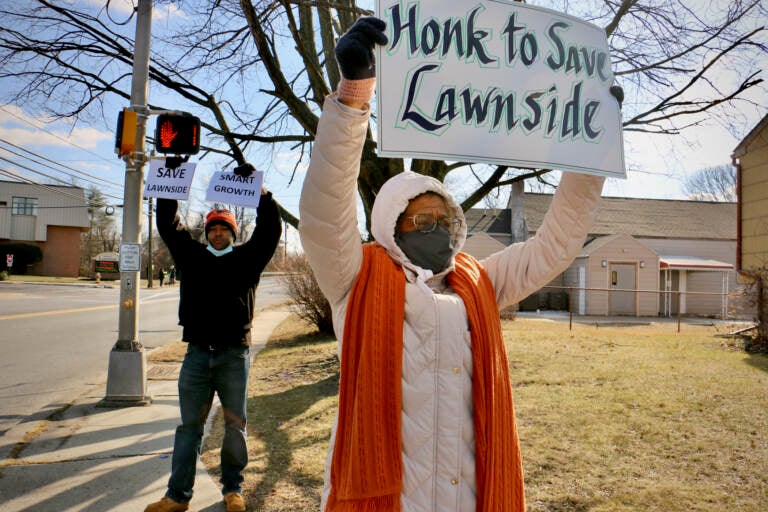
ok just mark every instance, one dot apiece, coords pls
pixel 47 176
pixel 27 121
pixel 94 180
pixel 84 205
pixel 54 178
pixel 78 171
pixel 28 181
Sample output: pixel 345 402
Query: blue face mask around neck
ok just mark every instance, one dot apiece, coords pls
pixel 222 252
pixel 431 251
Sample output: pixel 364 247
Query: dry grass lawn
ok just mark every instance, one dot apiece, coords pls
pixel 611 419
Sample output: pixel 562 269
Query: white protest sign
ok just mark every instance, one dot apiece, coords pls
pixel 229 188
pixel 498 82
pixel 169 183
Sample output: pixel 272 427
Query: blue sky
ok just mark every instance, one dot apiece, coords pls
pixel 655 164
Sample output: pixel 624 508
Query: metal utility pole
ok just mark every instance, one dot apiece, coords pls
pixel 127 376
pixel 150 251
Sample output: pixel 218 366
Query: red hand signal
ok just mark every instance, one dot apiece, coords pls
pixel 167 134
pixel 177 133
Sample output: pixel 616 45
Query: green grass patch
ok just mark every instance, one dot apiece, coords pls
pixel 611 419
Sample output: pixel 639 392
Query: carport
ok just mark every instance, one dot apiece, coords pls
pixel 693 286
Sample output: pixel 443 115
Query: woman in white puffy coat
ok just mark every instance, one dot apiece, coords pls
pixel 438 438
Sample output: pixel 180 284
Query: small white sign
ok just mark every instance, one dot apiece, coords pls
pixel 130 257
pixel 226 187
pixel 169 183
pixel 499 82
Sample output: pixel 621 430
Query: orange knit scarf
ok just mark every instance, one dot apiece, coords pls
pixel 366 469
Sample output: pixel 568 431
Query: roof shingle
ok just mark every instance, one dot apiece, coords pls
pixel 644 218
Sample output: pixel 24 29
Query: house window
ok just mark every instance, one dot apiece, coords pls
pixel 24 206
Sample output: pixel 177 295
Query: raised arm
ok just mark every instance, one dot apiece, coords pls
pixel 523 268
pixel 266 234
pixel 328 205
pixel 169 225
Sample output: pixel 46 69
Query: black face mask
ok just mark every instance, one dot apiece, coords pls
pixel 431 251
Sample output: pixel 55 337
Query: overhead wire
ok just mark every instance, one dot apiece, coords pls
pixel 39 160
pixel 78 171
pixel 49 176
pixel 27 121
pixel 52 134
pixel 48 188
pixel 78 174
pixel 116 22
pixel 52 189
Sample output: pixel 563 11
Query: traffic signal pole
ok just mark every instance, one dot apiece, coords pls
pixel 127 376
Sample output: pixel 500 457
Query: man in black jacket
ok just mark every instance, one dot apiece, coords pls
pixel 218 288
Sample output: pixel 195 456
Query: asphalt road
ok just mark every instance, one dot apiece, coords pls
pixel 55 340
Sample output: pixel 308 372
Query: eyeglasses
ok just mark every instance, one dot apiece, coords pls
pixel 427 222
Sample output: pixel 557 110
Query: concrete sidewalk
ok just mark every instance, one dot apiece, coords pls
pixel 87 458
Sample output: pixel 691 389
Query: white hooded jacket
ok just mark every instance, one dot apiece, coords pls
pixel 437 426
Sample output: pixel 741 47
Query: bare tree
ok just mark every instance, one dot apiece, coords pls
pixel 102 234
pixel 257 71
pixel 712 184
pixel 755 293
pixel 307 300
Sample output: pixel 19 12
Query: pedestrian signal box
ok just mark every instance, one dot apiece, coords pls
pixel 125 137
pixel 177 134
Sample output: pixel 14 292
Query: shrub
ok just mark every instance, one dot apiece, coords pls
pixel 756 291
pixel 307 301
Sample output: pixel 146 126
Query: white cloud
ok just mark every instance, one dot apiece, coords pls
pixel 116 7
pixel 285 163
pixel 121 10
pixel 9 112
pixel 24 130
pixel 168 12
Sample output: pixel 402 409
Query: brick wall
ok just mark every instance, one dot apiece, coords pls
pixel 61 253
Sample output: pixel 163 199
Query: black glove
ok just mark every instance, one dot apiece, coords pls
pixel 354 50
pixel 244 170
pixel 618 93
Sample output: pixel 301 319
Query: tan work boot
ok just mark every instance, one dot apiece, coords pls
pixel 167 505
pixel 234 502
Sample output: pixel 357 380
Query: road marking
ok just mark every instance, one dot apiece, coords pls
pixel 54 312
pixel 157 298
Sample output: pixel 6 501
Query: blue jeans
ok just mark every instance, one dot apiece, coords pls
pixel 204 373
